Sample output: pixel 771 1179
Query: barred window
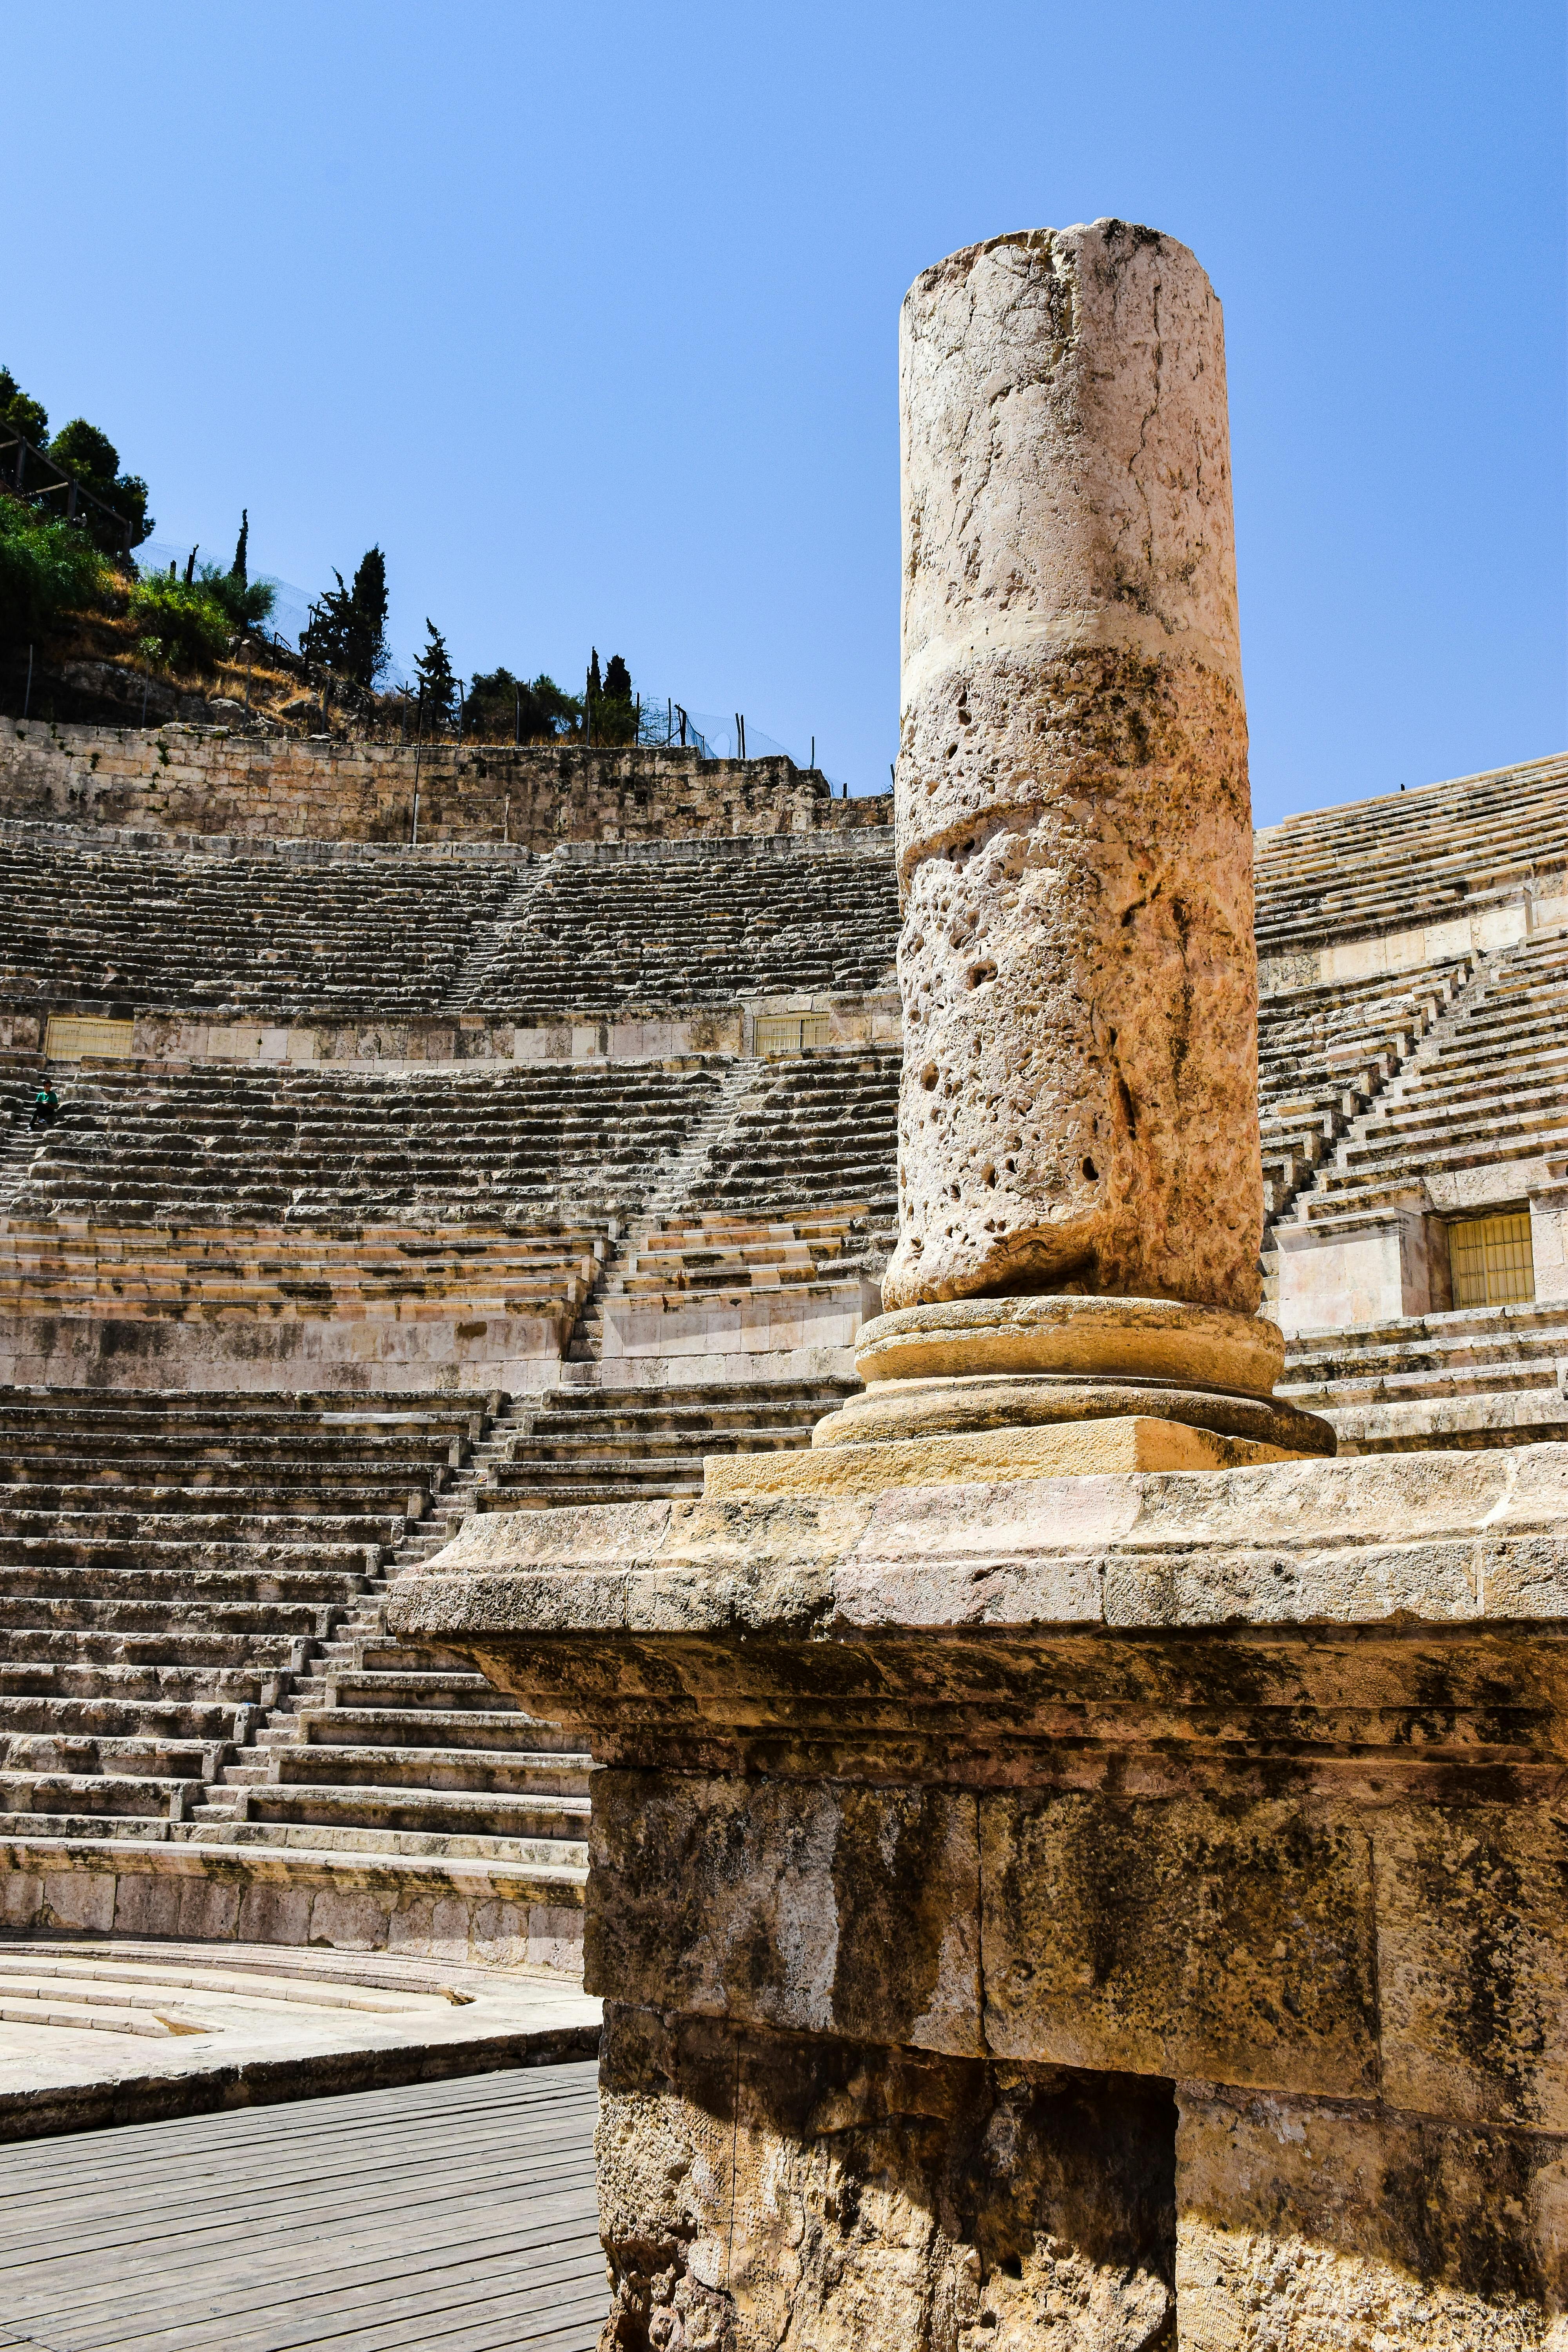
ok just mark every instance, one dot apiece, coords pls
pixel 793 1032
pixel 1492 1261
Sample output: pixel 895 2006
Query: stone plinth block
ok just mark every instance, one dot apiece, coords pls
pixel 1074 836
pixel 764 2191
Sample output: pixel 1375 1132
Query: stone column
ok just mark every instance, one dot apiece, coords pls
pixel 1074 824
pixel 1081 1184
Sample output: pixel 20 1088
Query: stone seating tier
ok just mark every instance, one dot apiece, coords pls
pixel 825 1130
pixel 1323 1054
pixel 171 1571
pixel 231 1270
pixel 591 1445
pixel 695 924
pixel 712 1252
pixel 1408 859
pixel 390 935
pixel 207 1145
pixel 1472 1377
pixel 386 933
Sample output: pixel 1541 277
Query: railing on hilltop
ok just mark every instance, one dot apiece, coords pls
pixel 19 459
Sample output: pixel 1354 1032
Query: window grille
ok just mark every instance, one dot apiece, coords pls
pixel 793 1032
pixel 69 1039
pixel 1491 1262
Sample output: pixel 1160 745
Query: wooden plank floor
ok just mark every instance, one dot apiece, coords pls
pixel 458 2216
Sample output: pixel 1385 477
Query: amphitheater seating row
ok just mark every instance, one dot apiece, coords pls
pixel 388 934
pixel 383 933
pixel 1491 1087
pixel 821 1130
pixel 208 1144
pixel 596 1444
pixel 1409 857
pixel 712 1251
pixel 1489 1376
pixel 48 1269
pixel 511 1173
pixel 698 924
pixel 428 1169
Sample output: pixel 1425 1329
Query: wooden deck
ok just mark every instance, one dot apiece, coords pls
pixel 457 2215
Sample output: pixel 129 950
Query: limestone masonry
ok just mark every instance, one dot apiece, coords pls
pixel 181 778
pixel 1078 1911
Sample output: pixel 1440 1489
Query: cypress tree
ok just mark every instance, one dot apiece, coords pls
pixel 437 681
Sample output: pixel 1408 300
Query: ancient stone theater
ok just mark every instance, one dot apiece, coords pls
pixel 926 1434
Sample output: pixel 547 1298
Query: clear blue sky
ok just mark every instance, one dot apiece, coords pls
pixel 588 314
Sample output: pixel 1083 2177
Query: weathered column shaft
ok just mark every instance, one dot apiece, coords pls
pixel 1074 829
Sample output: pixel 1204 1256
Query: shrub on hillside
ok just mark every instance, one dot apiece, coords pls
pixel 182 624
pixel 48 569
pixel 248 603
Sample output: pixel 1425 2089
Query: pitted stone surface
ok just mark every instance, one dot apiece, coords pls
pixel 1074 840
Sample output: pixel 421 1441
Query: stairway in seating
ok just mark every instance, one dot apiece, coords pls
pixel 1408 1047
pixel 361 1742
pixel 738 1088
pixel 20 1070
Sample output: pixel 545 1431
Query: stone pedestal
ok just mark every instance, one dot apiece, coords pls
pixel 1094 1912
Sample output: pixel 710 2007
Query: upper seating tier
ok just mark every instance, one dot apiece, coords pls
pixel 383 933
pixel 1406 860
pixel 694 924
pixel 390 935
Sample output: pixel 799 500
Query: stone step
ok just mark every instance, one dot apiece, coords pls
pixel 563 1858
pixel 420 1807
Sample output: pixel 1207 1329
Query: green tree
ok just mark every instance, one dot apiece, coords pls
pixel 499 703
pixel 610 701
pixel 371 659
pixel 79 449
pixel 347 628
pixel 29 416
pixel 241 547
pixel 437 683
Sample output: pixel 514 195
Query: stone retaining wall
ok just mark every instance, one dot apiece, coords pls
pixel 402 1043
pixel 202 780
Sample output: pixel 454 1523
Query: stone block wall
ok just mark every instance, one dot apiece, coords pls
pixel 193 780
pixel 1106 1912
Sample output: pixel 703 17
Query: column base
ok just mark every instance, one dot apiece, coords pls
pixel 1041 1387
